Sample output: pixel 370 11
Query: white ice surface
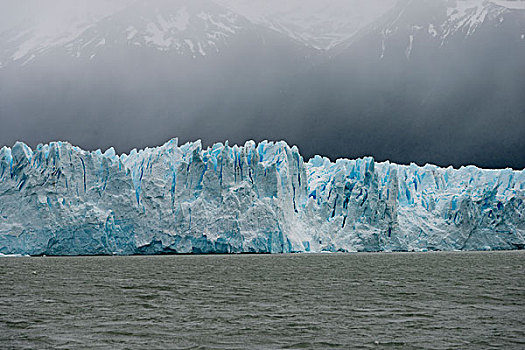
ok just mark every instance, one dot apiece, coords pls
pixel 60 199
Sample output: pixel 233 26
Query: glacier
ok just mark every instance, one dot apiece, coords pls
pixel 258 198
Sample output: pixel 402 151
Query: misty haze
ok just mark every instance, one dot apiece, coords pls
pixel 426 81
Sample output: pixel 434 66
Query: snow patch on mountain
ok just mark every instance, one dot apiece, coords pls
pixel 448 20
pixel 468 15
pixel 33 41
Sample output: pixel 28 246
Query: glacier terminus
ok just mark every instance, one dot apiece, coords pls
pixel 258 198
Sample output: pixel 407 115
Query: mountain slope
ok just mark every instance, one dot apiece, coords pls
pixel 424 83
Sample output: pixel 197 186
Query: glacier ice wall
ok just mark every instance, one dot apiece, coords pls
pixel 61 200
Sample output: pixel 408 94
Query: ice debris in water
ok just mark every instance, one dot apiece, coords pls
pixel 60 199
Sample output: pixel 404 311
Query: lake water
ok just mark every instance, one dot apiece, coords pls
pixel 371 301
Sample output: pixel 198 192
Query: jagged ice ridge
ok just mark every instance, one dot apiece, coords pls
pixel 259 198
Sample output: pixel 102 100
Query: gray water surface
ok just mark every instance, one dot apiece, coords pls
pixel 404 301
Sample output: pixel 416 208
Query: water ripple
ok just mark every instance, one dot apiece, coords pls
pixel 358 301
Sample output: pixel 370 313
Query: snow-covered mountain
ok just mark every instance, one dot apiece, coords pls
pixel 202 26
pixel 185 26
pixel 193 28
pixel 439 22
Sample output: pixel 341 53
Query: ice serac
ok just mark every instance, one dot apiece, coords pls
pixel 262 198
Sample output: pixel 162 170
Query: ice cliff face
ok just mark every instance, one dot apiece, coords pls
pixel 60 199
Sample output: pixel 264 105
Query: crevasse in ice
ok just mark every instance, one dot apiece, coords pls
pixel 61 200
